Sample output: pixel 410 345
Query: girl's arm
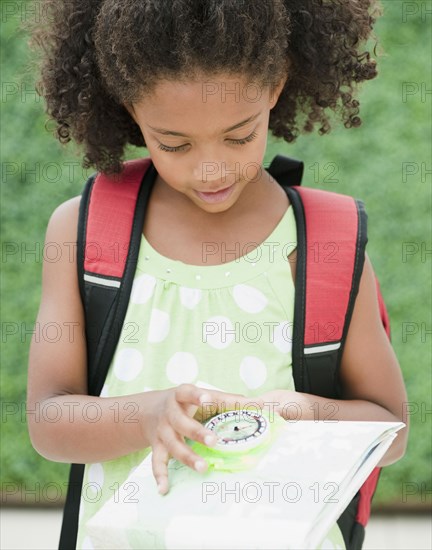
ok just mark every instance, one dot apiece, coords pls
pixel 370 372
pixel 61 419
pixel 372 383
pixel 67 425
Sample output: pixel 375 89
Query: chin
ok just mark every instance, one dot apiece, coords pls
pixel 214 208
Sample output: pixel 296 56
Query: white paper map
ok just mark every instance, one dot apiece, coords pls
pixel 289 500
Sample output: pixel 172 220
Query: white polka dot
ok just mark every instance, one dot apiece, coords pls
pixel 96 477
pixel 87 544
pixel 218 332
pixel 249 299
pixel 159 325
pixel 182 368
pixel 190 297
pixel 282 336
pixel 128 364
pixel 105 391
pixel 142 289
pixel 253 372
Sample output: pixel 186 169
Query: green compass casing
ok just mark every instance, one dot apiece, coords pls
pixel 243 436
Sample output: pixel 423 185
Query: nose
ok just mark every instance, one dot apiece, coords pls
pixel 217 175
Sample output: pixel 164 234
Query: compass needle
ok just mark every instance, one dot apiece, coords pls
pixel 241 439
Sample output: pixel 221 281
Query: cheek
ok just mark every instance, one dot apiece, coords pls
pixel 251 159
pixel 172 174
pixel 168 165
pixel 251 171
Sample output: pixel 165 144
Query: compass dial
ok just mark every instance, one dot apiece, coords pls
pixel 239 430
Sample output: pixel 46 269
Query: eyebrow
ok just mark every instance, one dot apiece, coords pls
pixel 166 132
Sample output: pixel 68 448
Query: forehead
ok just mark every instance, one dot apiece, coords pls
pixel 211 103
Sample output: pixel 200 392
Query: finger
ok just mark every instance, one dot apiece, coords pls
pixel 217 402
pixel 191 399
pixel 160 458
pixel 190 394
pixel 179 450
pixel 186 426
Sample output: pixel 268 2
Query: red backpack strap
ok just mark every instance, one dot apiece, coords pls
pixel 332 236
pixel 110 224
pixel 109 215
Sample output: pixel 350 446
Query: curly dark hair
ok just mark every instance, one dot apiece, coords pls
pixel 99 54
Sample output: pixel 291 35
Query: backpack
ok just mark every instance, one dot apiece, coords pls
pixel 331 241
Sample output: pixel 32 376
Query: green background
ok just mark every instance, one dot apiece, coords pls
pixel 384 163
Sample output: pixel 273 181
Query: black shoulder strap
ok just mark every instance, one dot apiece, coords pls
pixel 286 171
pixel 315 366
pixel 69 528
pixel 326 291
pixel 105 309
pixel 105 306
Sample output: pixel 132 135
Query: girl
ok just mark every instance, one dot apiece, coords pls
pixel 199 84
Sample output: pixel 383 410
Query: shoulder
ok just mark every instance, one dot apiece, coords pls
pixel 61 240
pixel 64 219
pixel 60 307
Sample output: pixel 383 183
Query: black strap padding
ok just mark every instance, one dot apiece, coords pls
pixel 69 528
pixel 81 233
pixel 318 373
pixel 357 537
pixel 362 239
pixel 321 373
pixel 301 380
pixel 286 171
pixel 100 302
pixel 103 327
pixel 110 328
pixel 347 522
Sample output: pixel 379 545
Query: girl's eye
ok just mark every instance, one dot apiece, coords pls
pixel 163 147
pixel 247 139
pixel 243 141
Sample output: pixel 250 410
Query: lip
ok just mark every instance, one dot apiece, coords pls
pixel 216 196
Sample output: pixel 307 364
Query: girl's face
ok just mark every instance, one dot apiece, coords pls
pixel 208 136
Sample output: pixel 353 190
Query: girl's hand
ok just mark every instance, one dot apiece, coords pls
pixel 291 405
pixel 171 419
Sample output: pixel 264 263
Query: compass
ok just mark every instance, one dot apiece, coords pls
pixel 239 430
pixel 242 439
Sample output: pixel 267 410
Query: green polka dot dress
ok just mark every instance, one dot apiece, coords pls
pixel 227 325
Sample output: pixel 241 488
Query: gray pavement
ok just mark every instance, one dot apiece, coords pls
pixel 38 529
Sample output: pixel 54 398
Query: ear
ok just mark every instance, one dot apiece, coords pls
pixel 129 108
pixel 276 90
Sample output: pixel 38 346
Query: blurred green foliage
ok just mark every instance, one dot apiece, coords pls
pixel 383 162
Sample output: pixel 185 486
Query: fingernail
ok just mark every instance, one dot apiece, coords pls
pixel 205 398
pixel 210 440
pixel 200 465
